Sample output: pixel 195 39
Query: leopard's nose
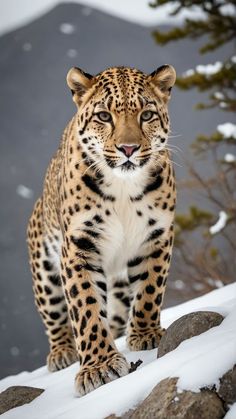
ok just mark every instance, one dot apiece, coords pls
pixel 128 149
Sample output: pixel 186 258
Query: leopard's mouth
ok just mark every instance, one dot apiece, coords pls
pixel 128 165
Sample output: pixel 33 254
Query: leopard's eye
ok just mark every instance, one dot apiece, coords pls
pixel 104 116
pixel 146 116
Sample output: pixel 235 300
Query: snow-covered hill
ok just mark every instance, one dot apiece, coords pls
pixel 199 361
pixel 137 11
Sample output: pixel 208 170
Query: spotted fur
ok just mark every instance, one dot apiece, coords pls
pixel 100 237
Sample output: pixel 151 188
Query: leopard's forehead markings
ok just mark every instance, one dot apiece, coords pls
pixel 123 88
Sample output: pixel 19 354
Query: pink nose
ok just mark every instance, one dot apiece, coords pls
pixel 128 150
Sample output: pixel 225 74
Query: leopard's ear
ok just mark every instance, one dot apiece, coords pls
pixel 79 82
pixel 164 78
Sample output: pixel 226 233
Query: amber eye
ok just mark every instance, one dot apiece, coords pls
pixel 146 116
pixel 104 116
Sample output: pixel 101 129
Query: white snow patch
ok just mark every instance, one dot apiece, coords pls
pixel 219 95
pixel 229 158
pixel 217 283
pixel 24 191
pixel 231 414
pixel 67 28
pixel 233 59
pixel 206 70
pixel 220 224
pixel 12 16
pixel 223 105
pixel 227 10
pixel 199 361
pixel 227 130
pixel 209 69
pixel 188 73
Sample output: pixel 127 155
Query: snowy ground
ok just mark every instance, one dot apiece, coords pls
pixel 199 361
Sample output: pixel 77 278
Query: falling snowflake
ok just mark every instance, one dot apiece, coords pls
pixel 24 192
pixel 67 28
pixel 27 46
pixel 71 53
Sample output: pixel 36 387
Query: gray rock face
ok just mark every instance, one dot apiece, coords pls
pixel 17 396
pixel 186 327
pixel 164 402
pixel 227 389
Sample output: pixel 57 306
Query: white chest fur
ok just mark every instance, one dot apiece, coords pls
pixel 127 227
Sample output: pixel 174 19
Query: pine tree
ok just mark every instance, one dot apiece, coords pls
pixel 206 237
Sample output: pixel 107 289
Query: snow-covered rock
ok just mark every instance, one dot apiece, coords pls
pixel 12 16
pixel 165 402
pixel 198 362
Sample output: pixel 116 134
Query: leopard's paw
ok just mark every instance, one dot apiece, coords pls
pixel 61 357
pixel 92 377
pixel 138 341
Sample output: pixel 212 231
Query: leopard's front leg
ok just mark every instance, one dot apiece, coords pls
pixel 148 274
pixel 85 290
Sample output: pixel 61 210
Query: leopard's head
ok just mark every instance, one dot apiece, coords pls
pixel 122 115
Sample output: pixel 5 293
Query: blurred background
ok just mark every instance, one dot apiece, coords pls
pixel 39 41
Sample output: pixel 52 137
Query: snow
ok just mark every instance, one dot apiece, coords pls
pixel 227 9
pixel 223 105
pixel 220 224
pixel 227 130
pixel 219 95
pixel 199 361
pixel 206 70
pixel 216 283
pixel 12 16
pixel 231 414
pixel 67 28
pixel 27 46
pixel 24 191
pixel 229 158
pixel 188 73
pixel 72 53
pixel 209 69
pixel 179 284
pixel 14 351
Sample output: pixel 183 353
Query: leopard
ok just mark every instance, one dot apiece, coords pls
pixel 100 237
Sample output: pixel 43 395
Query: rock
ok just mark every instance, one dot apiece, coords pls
pixel 17 396
pixel 187 326
pixel 126 415
pixel 165 402
pixel 227 389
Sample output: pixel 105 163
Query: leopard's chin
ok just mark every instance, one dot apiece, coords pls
pixel 128 165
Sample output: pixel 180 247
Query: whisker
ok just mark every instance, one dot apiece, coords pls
pixel 175 136
pixel 96 163
pixel 175 147
pixel 155 154
pixel 176 152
